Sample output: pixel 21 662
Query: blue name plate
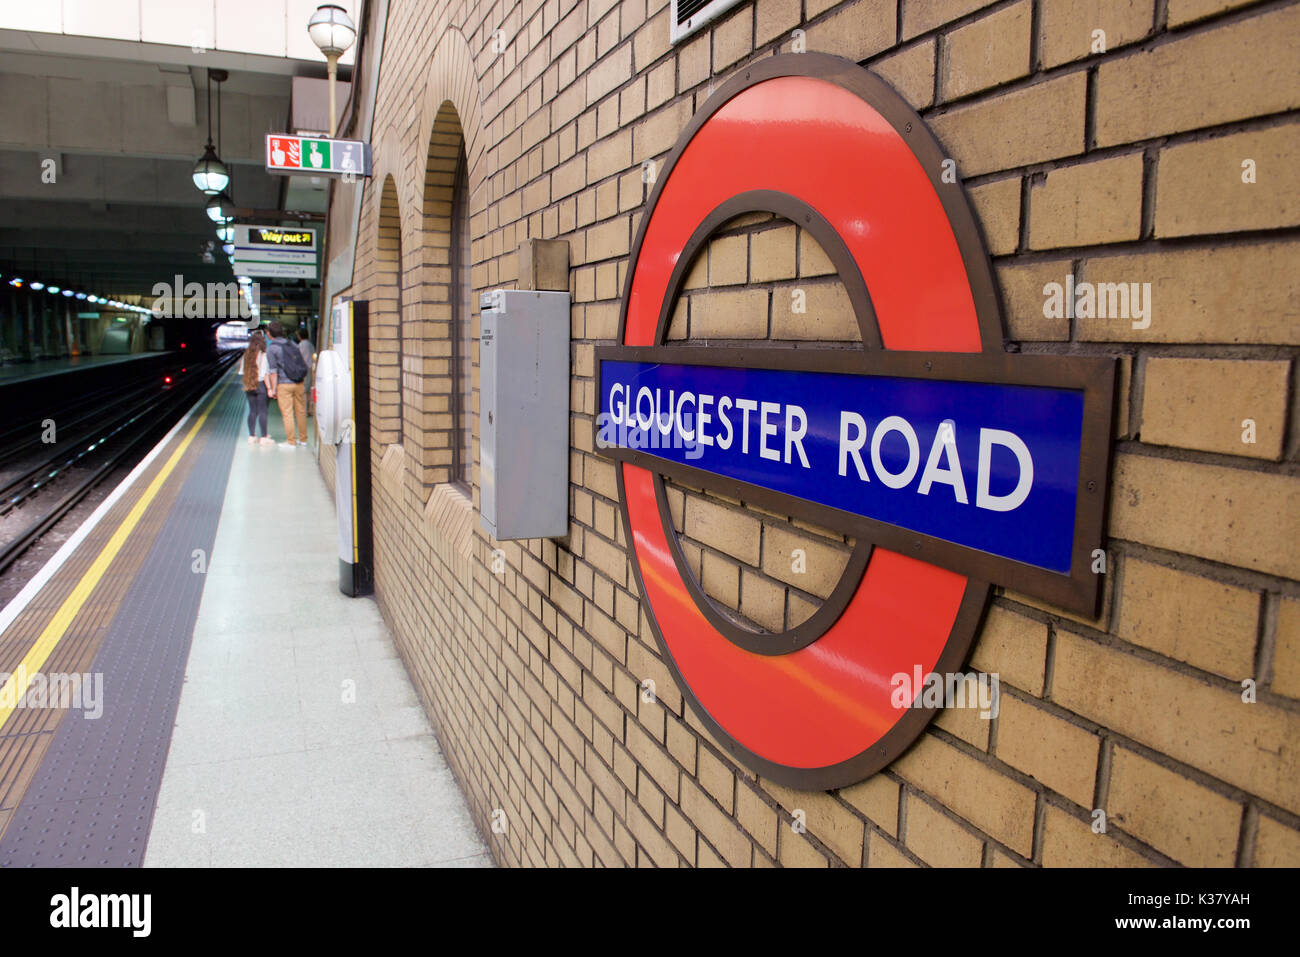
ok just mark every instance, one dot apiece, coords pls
pixel 989 466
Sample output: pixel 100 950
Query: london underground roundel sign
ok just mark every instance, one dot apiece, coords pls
pixel 953 464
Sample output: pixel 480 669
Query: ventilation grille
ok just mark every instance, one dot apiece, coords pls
pixel 687 8
pixel 689 16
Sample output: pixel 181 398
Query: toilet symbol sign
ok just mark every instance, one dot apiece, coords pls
pixel 317 156
pixel 949 464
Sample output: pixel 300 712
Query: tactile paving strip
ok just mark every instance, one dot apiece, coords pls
pixel 91 801
pixel 27 734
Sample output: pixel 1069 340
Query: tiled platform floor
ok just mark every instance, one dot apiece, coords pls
pixel 299 739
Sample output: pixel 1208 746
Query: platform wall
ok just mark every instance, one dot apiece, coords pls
pixel 1133 164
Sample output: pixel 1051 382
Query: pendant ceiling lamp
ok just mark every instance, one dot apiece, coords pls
pixel 211 176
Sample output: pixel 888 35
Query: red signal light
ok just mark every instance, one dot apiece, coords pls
pixel 167 380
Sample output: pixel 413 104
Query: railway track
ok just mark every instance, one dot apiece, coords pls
pixel 103 440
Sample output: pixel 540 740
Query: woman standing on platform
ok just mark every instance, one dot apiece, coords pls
pixel 253 369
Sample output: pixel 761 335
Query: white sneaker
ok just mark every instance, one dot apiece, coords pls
pixel 252 439
pixel 290 446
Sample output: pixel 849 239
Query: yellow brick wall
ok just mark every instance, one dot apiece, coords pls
pixel 1102 138
pixel 758 278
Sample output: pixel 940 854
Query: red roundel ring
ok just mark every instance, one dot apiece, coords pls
pixel 815 133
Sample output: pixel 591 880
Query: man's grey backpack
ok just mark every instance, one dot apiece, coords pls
pixel 292 363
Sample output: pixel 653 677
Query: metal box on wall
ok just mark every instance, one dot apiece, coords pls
pixel 524 414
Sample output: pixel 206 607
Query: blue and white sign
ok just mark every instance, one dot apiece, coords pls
pixel 991 466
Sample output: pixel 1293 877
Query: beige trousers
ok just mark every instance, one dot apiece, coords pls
pixel 293 406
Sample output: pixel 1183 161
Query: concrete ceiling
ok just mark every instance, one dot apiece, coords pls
pixel 120 211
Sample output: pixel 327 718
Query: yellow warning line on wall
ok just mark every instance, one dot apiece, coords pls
pixel 15 688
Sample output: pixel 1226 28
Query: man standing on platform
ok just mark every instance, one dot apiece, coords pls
pixel 285 374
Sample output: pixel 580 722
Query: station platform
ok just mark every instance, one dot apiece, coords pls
pixel 183 684
pixel 44 368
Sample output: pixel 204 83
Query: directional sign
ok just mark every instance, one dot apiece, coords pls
pixel 273 270
pixel 276 237
pixel 316 156
pixel 273 251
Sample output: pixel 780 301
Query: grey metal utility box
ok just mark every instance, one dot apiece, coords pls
pixel 524 413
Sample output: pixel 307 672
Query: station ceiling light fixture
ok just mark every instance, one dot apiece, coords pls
pixel 211 176
pixel 221 210
pixel 333 31
pixel 37 286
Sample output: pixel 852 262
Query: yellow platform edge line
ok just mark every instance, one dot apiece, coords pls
pixel 15 687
